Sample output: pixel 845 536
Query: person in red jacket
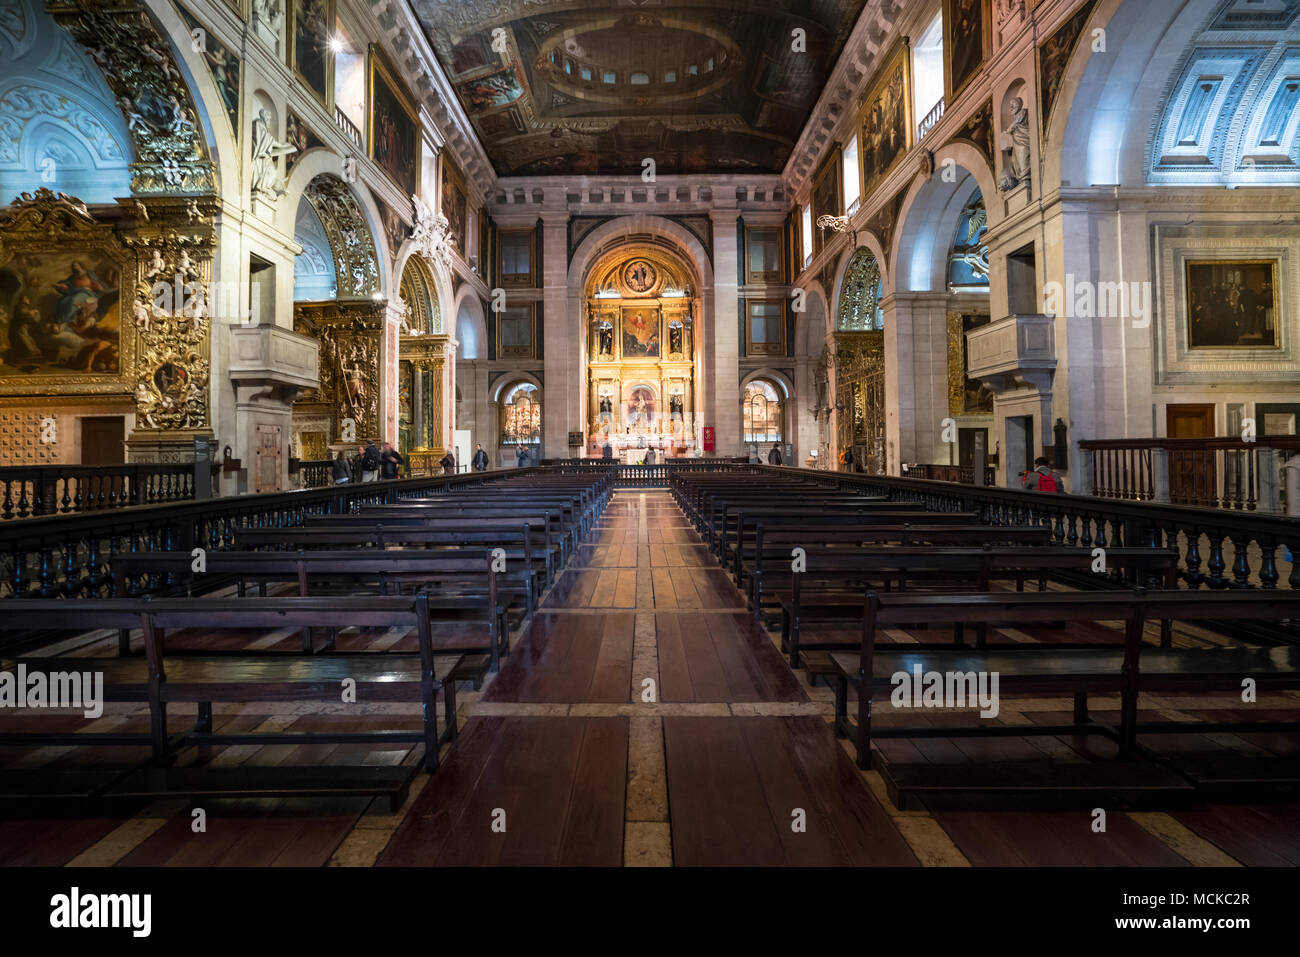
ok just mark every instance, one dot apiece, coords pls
pixel 1041 478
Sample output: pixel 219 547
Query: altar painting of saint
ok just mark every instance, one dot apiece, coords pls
pixel 640 409
pixel 640 332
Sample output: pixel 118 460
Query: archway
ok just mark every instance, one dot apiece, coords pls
pixel 519 405
pixel 422 368
pixel 640 350
pixel 859 359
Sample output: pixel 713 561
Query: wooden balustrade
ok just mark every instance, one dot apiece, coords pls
pixel 62 489
pixel 1219 472
pixel 963 474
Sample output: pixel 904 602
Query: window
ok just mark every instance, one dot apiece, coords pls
pixel 670 76
pixel 586 73
pixel 639 79
pixel 568 67
pixel 859 309
pixel 516 333
pixel 764 255
pixel 708 67
pixel 516 251
pixel 521 415
pixel 609 77
pixel 852 176
pixel 927 73
pixel 693 70
pixel 766 322
pixel 807 236
pixel 761 414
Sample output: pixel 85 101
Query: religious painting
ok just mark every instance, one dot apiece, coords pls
pixel 472 53
pixel 223 64
pixel 310 49
pixel 454 204
pixel 1054 55
pixel 1232 304
pixel 61 315
pixel 965 25
pixel 640 332
pixel 492 90
pixel 641 410
pixel 826 197
pixel 394 127
pixel 978 129
pixel 640 276
pixel 886 122
pixel 298 134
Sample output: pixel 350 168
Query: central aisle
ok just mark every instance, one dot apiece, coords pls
pixel 643 718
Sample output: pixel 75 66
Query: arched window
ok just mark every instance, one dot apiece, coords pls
pixel 860 295
pixel 968 260
pixel 521 415
pixel 761 413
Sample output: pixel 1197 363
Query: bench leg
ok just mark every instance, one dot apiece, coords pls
pixel 864 727
pixel 158 728
pixel 203 723
pixel 1080 707
pixel 841 705
pixel 123 642
pixel 449 704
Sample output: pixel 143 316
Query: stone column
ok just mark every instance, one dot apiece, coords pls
pixel 721 357
pixel 562 339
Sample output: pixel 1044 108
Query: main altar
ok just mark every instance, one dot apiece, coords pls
pixel 640 316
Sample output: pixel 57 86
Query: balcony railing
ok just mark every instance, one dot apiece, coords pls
pixel 350 128
pixel 931 118
pixel 1219 472
pixel 962 474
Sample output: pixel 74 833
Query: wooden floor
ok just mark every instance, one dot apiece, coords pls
pixel 642 718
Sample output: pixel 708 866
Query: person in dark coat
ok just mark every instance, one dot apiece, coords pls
pixel 480 459
pixel 370 462
pixel 342 470
pixel 607 450
pixel 521 457
pixel 389 461
pixel 774 457
pixel 448 463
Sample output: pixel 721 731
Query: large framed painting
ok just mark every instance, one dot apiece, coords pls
pixel 966 33
pixel 309 49
pixel 394 126
pixel 640 332
pixel 1232 304
pixel 65 326
pixel 826 197
pixel 1224 307
pixel 966 396
pixel 885 122
pixel 455 204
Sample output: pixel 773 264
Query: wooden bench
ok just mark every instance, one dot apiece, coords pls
pixel 161 678
pixel 830 592
pixel 466 597
pixel 1127 669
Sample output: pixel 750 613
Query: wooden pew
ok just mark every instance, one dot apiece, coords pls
pixel 829 594
pixel 161 678
pixel 1127 669
pixel 768 561
pixel 463 592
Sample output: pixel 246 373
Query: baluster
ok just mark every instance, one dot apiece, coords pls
pixel 1250 480
pixel 1293 555
pixel 1268 574
pixel 1072 537
pixel 71 574
pixel 1240 561
pixel 25 507
pixel 18 582
pixel 1192 561
pixel 1058 529
pixel 1216 564
pixel 48 587
pixel 65 501
pixel 9 499
pixel 78 498
pixel 1101 533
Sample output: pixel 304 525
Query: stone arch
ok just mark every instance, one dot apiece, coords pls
pixel 471 326
pixel 603 237
pixel 929 215
pixel 418 292
pixel 59 121
pixel 1102 120
pixel 356 254
pixel 868 240
pixel 861 287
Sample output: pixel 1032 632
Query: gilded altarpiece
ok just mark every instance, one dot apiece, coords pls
pixel 351 336
pixel 640 318
pixel 424 386
pixel 860 398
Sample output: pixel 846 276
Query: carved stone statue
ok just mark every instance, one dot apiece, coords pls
pixel 267 184
pixel 1015 150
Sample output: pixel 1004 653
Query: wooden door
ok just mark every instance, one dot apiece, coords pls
pixel 103 440
pixel 1191 471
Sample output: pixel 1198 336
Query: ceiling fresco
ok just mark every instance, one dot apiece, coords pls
pixel 580 86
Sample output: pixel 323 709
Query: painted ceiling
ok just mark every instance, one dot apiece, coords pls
pixel 582 86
